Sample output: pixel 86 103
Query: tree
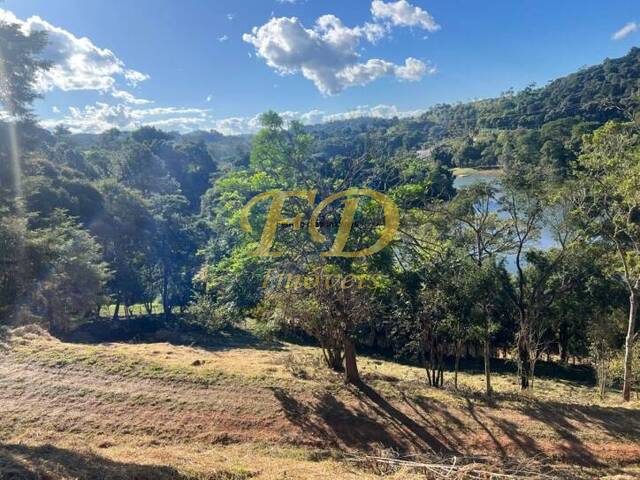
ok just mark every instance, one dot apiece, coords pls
pixel 331 311
pixel 74 278
pixel 19 264
pixel 173 249
pixel 287 159
pixel 607 198
pixel 529 200
pixel 483 236
pixel 125 232
pixel 20 65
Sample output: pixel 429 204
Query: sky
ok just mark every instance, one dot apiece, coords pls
pixel 185 65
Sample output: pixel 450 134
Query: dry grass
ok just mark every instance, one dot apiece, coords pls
pixel 246 411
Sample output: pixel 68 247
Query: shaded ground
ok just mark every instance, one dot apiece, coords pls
pixel 163 411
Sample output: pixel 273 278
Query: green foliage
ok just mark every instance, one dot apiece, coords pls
pixel 74 275
pixel 20 62
pixel 209 315
pixel 148 217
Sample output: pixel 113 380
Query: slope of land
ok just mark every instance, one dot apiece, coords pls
pixel 242 409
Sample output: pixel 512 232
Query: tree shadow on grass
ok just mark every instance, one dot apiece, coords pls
pixel 565 419
pixel 327 421
pixel 435 414
pixel 617 422
pixel 571 448
pixel 419 435
pixel 21 462
pixel 372 423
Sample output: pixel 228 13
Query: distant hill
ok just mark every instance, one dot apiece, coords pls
pixel 542 124
pixel 468 134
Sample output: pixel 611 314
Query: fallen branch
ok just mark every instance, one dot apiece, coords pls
pixel 456 467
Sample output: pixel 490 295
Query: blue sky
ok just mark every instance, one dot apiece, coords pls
pixel 191 64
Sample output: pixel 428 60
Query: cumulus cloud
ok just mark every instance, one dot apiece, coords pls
pixel 403 14
pixel 327 53
pixel 243 125
pixel 625 31
pixel 129 98
pixel 78 64
pixel 378 111
pixel 102 116
pixel 223 38
pixel 134 77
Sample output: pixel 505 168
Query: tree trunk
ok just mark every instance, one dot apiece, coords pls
pixel 603 377
pixel 116 311
pixel 563 342
pixel 487 361
pixel 333 358
pixel 628 347
pixel 351 374
pixel 524 360
pixel 457 365
pixel 532 371
pixel 165 292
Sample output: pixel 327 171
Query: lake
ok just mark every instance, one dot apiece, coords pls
pixel 466 177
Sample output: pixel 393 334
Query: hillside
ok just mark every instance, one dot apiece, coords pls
pixel 240 409
pixel 593 95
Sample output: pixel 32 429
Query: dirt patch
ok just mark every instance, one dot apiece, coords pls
pixel 81 402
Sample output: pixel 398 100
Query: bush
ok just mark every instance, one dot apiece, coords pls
pixel 615 372
pixel 210 316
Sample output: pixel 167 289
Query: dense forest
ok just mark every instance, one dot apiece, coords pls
pixel 147 222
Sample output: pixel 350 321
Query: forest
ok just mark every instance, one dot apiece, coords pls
pixel 100 232
pixel 93 225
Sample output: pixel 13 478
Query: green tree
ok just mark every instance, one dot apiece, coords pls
pixel 75 275
pixel 20 64
pixel 125 231
pixel 607 197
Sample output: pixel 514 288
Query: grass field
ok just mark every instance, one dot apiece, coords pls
pixel 242 409
pixel 137 309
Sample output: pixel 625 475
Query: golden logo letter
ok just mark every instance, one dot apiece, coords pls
pixel 391 222
pixel 274 217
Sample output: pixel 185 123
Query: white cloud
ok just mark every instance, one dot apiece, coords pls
pixel 327 54
pixel 78 64
pixel 209 98
pixel 102 116
pixel 291 2
pixel 134 77
pixel 129 98
pixel 55 109
pixel 625 31
pixel 241 125
pixel 363 73
pixel 231 16
pixel 223 38
pixel 414 69
pixel 403 14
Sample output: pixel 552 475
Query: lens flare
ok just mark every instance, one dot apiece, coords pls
pixel 14 146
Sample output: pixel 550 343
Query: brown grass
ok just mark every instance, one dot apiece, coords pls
pixel 246 411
